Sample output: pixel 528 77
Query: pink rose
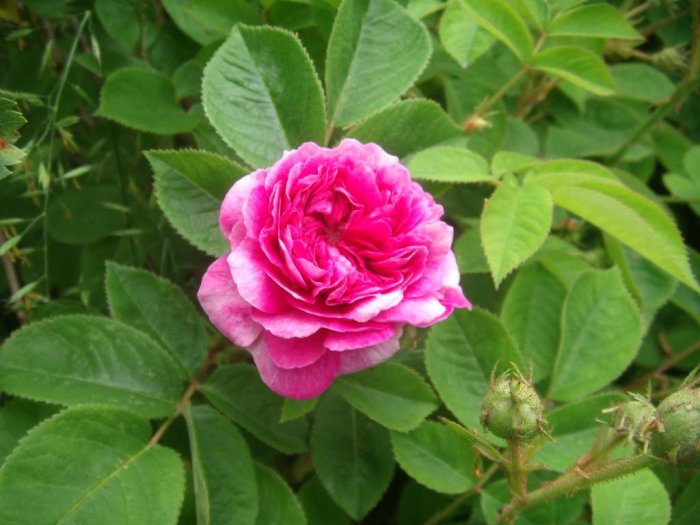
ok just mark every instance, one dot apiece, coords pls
pixel 333 251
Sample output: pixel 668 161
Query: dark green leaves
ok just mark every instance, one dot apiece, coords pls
pixel 360 78
pixel 261 93
pixel 352 456
pixel 601 331
pixel 278 504
pixel 144 100
pixel 393 395
pixel 191 186
pixel 91 465
pixel 161 310
pixel 239 393
pixel 224 474
pixel 515 222
pixel 436 456
pixel 74 360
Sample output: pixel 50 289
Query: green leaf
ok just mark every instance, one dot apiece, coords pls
pixel 531 312
pixel 393 395
pixel 11 120
pixel 407 127
pixel 352 456
pixel 515 222
pixel 687 505
pixel 224 475
pixel 449 164
pixel 261 93
pixel 145 100
pixel 470 252
pixel 576 427
pixel 296 408
pixel 462 351
pixel 435 456
pixel 79 359
pixel 536 12
pixel 207 21
pixel 503 22
pixel 626 215
pixel 577 65
pixel 512 162
pixel 642 82
pixel 278 504
pixel 461 36
pixel 599 20
pixel 190 186
pixel 120 19
pixel 319 507
pixel 375 53
pixel 160 309
pixel 91 465
pixel 68 211
pixel 601 332
pixel 17 416
pixel 238 392
pixel 637 498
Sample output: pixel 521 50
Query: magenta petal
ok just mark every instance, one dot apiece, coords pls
pixel 296 383
pixel 247 264
pixel 356 360
pixel 421 311
pixel 232 207
pixel 296 352
pixel 341 341
pixel 292 323
pixel 225 307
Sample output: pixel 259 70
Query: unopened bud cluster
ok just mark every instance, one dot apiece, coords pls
pixel 512 409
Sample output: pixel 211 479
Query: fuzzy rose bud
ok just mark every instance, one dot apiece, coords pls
pixel 677 435
pixel 512 409
pixel 634 418
pixel 332 253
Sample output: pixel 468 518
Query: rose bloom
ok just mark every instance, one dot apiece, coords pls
pixel 333 252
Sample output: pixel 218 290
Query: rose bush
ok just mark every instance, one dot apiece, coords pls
pixel 333 251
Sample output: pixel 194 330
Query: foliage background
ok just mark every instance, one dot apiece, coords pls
pixel 578 121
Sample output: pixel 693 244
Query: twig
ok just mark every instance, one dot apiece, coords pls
pixel 11 274
pixel 668 363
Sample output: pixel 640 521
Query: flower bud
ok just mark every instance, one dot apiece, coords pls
pixel 677 436
pixel 512 409
pixel 634 418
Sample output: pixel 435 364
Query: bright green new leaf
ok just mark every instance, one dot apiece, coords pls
pixel 461 35
pixel 145 100
pixel 79 359
pixel 278 504
pixel 376 52
pixel 67 213
pixel 160 309
pixel 601 332
pixel 577 65
pixel 449 164
pixel 503 22
pixel 535 12
pixel 598 20
pixel 531 312
pixel 261 93
pixel 225 486
pixel 435 456
pixel 407 127
pixel 91 465
pixel 633 499
pixel 462 351
pixel 207 21
pixel 393 395
pixel 515 222
pixel 190 186
pixel 352 456
pixel 511 162
pixel 238 392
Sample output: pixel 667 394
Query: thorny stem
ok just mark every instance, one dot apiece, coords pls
pixel 574 481
pixel 517 470
pixel 446 511
pixel 184 400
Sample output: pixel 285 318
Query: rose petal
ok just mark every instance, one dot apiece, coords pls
pixel 247 264
pixel 296 383
pixel 232 207
pixel 422 311
pixel 341 341
pixel 356 360
pixel 225 307
pixel 295 352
